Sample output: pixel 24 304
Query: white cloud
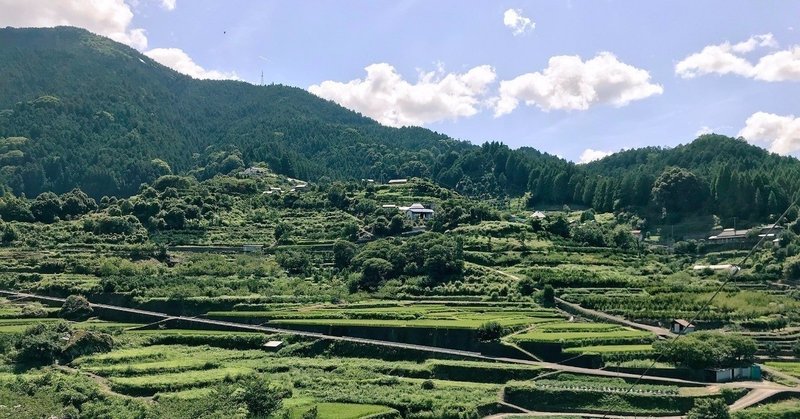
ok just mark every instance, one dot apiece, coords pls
pixel 569 83
pixel 111 18
pixel 703 131
pixel 386 97
pixel 779 66
pixel 519 24
pixel 730 59
pixel 590 155
pixel 178 60
pixel 779 133
pixel 169 4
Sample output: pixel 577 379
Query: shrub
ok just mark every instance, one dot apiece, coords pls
pixel 261 398
pixel 709 350
pixel 548 296
pixel 343 253
pixel 709 409
pixel 312 413
pixel 84 342
pixel 40 344
pixel 428 385
pixel 76 308
pixel 489 331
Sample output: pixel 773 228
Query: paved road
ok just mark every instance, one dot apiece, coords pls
pixel 753 397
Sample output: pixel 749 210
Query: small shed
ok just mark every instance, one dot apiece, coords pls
pixel 273 345
pixel 252 248
pixel 681 327
pixel 637 234
pixel 398 181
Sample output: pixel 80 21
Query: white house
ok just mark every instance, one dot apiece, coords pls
pixel 418 212
pixel 539 215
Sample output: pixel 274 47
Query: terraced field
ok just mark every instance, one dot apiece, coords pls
pixel 571 335
pixel 417 315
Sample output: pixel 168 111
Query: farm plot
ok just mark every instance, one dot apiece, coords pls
pixel 362 385
pixel 791 368
pixel 665 304
pixel 571 393
pixel 602 342
pixel 407 315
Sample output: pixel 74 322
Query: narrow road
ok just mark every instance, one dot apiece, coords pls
pixel 753 397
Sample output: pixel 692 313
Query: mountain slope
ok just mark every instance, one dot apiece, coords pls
pixel 79 110
pixel 96 112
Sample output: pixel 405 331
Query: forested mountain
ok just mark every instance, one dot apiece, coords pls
pixel 79 110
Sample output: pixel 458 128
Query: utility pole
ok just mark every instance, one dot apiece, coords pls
pixel 262 77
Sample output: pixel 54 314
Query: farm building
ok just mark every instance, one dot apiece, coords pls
pixel 723 375
pixel 539 215
pixel 731 235
pixel 273 345
pixel 637 234
pixel 417 212
pixel 681 326
pixel 398 181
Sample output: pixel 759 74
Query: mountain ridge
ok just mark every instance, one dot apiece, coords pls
pixel 80 110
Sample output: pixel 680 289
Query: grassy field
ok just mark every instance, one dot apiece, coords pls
pixel 342 410
pixel 583 334
pixel 410 315
pixel 791 368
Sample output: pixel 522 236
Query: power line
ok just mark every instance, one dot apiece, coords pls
pixel 732 274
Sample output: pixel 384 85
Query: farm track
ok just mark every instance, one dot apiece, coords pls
pixel 101 382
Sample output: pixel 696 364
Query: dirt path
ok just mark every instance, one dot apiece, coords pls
pixel 101 382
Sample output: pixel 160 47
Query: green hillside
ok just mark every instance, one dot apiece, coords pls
pixel 79 110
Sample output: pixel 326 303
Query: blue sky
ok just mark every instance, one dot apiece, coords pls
pixel 469 53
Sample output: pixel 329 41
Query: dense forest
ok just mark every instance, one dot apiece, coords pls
pixel 79 110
